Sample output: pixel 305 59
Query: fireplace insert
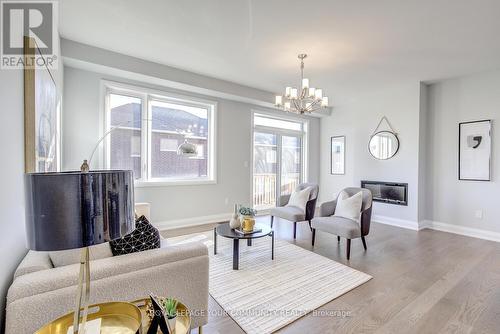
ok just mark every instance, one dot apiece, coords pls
pixel 387 192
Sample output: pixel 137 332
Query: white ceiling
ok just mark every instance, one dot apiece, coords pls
pixel 353 46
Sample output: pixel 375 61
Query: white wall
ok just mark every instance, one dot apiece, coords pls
pixel 81 123
pixel 12 238
pixel 423 191
pixel 12 224
pixel 357 121
pixel 451 201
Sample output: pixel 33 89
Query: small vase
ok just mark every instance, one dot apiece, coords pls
pixel 171 323
pixel 235 221
pixel 248 223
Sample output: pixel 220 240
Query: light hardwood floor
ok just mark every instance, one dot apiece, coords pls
pixel 423 282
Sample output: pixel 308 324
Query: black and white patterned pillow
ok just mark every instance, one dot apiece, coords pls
pixel 144 237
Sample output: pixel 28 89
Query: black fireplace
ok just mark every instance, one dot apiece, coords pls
pixel 387 192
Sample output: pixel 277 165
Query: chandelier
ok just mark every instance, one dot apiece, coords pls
pixel 304 100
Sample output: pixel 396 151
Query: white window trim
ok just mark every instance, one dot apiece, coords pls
pixel 146 95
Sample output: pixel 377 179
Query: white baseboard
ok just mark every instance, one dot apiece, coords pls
pixel 193 221
pixel 463 230
pixel 196 221
pixel 403 223
pixel 411 225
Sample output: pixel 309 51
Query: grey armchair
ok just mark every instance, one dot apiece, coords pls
pixel 294 214
pixel 345 227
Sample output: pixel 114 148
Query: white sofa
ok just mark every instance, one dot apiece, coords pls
pixel 41 292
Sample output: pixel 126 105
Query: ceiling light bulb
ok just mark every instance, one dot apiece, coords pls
pixel 287 106
pixel 279 100
pixel 293 93
pixel 318 93
pixel 305 83
pixel 312 91
pixel 324 101
pixel 288 91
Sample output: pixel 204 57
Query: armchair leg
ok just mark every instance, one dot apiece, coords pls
pixel 310 225
pixel 294 230
pixel 272 220
pixel 314 235
pixel 348 250
pixel 364 242
pixel 338 238
pixel 200 330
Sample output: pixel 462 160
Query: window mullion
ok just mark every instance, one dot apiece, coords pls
pixel 144 130
pixel 106 156
pixel 147 137
pixel 279 153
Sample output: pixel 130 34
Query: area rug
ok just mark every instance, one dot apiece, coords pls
pixel 265 295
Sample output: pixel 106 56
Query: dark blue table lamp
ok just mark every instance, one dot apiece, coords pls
pixel 75 210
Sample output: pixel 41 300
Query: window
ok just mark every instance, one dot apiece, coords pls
pixel 147 129
pixel 178 122
pixel 125 118
pixel 261 120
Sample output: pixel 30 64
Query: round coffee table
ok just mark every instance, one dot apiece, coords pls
pixel 227 232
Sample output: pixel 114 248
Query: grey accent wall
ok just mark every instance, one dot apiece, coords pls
pixel 357 120
pixel 81 123
pixel 451 201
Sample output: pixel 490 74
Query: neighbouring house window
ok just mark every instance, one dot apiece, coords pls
pixel 135 147
pixel 168 145
pixel 149 129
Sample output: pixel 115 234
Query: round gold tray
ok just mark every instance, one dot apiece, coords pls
pixel 182 325
pixel 117 317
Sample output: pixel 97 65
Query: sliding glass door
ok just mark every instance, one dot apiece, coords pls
pixel 291 163
pixel 265 170
pixel 277 160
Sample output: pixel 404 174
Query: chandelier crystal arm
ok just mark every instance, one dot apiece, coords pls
pixel 314 104
pixel 303 93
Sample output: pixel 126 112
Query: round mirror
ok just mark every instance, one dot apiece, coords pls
pixel 383 145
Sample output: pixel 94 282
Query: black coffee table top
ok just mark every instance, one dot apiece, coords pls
pixel 225 231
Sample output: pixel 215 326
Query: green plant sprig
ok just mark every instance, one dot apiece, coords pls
pixel 244 211
pixel 170 306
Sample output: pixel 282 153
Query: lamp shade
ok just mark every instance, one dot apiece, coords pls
pixel 187 149
pixel 77 209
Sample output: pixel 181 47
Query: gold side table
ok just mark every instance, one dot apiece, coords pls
pixel 182 325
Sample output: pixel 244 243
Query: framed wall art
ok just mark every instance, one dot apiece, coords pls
pixel 474 151
pixel 337 155
pixel 41 114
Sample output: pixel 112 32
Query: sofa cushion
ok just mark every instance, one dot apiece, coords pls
pixel 144 237
pixel 340 226
pixel 33 262
pixel 72 256
pixel 290 213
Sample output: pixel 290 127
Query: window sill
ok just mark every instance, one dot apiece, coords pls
pixel 170 183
